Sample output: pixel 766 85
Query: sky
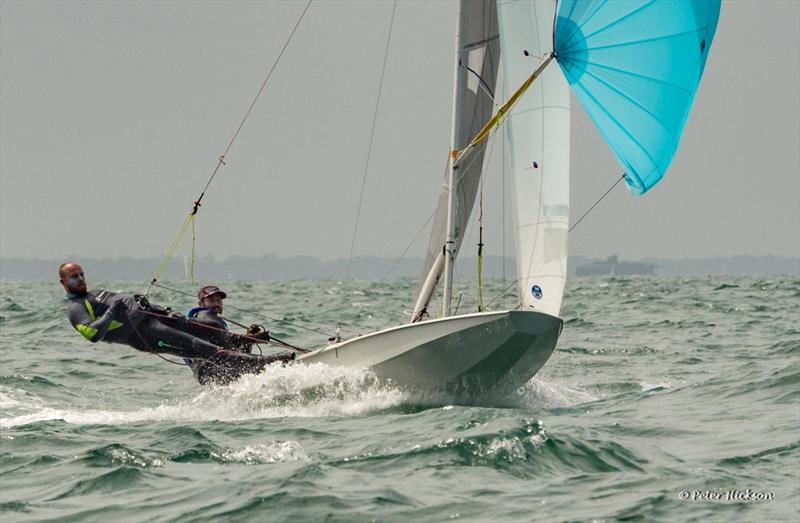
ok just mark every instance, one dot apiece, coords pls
pixel 113 115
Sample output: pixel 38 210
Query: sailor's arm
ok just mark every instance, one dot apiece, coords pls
pixel 94 330
pixel 208 318
pixel 227 338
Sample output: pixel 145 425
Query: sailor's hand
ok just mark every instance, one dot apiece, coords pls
pixel 174 315
pixel 117 307
pixel 258 332
pixel 144 303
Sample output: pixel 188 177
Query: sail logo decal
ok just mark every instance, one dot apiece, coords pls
pixel 537 292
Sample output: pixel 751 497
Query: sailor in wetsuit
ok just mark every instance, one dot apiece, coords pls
pixel 208 313
pixel 101 315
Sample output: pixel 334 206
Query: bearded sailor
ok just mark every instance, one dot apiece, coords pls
pixel 207 322
pixel 101 315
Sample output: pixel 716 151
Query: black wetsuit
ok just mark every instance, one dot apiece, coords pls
pixel 200 319
pixel 93 315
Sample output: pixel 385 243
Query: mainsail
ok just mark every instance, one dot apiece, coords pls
pixel 635 67
pixel 538 136
pixel 478 60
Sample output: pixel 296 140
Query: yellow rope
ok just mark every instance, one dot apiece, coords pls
pixel 194 242
pixel 165 260
pixel 480 282
pixel 171 250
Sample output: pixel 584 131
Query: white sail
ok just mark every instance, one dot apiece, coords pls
pixel 479 58
pixel 538 138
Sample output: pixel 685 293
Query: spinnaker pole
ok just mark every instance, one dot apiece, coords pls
pixel 503 109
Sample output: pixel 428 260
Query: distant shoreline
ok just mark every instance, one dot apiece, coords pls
pixel 271 267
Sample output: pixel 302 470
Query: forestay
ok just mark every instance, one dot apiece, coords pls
pixel 635 67
pixel 479 58
pixel 538 136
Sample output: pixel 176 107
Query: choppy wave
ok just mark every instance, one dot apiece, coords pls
pixel 658 385
pixel 315 390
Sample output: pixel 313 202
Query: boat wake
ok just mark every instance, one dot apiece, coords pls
pixel 315 390
pixel 294 391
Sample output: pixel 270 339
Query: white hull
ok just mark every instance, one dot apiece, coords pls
pixel 471 353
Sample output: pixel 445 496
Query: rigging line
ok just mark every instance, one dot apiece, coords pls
pixel 150 350
pixel 462 238
pixel 221 160
pixel 255 99
pixel 169 360
pixel 202 325
pixel 286 322
pixel 503 202
pixel 503 155
pixel 424 225
pixel 469 231
pixel 402 255
pixel 502 293
pixel 278 342
pixel 458 303
pixel 466 238
pixel 168 255
pixel 492 140
pixel 492 135
pixel 595 203
pixel 480 248
pixel 194 246
pixel 422 228
pixel 371 138
pixel 369 155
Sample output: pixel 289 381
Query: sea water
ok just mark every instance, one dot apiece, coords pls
pixel 667 399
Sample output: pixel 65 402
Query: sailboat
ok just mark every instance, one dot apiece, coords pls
pixel 485 350
pixel 635 66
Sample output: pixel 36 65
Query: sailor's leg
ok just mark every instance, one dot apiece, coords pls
pixel 156 337
pixel 217 365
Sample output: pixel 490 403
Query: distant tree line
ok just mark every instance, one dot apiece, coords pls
pixel 271 267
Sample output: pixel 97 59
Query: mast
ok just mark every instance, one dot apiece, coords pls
pixel 477 55
pixel 450 246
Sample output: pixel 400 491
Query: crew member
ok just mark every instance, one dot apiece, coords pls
pixel 209 312
pixel 206 321
pixel 101 315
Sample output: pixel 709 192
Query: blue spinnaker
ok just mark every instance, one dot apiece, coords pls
pixel 635 66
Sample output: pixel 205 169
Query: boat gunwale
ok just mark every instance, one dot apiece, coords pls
pixel 341 344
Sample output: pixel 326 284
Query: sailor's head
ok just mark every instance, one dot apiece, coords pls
pixel 70 275
pixel 211 297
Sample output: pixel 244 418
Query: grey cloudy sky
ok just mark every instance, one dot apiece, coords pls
pixel 112 115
